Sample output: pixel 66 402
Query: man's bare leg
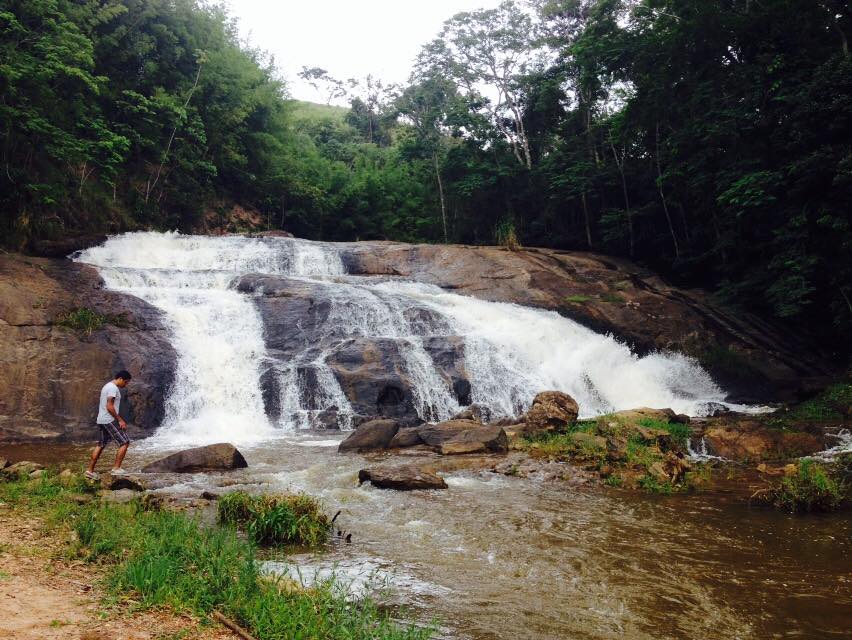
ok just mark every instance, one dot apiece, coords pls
pixel 119 457
pixel 95 455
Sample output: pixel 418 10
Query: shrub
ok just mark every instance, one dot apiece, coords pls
pixel 84 321
pixel 506 235
pixel 812 488
pixel 272 520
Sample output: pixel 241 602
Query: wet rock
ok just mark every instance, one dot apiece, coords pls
pixel 38 473
pixel 672 468
pixel 660 437
pixel 370 436
pixel 25 467
pixel 409 437
pixel 464 436
pixel 118 482
pixel 550 411
pixel 4 463
pixel 749 440
pixel 401 478
pixel 209 495
pixel 214 457
pixel 474 412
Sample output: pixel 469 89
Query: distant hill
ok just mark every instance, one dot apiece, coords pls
pixel 304 110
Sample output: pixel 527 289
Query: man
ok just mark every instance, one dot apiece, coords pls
pixel 111 425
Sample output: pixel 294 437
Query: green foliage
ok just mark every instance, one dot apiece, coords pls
pixel 276 520
pixel 506 236
pixel 82 320
pixel 812 488
pixel 679 432
pixel 652 485
pixel 712 142
pixel 835 403
pixel 577 299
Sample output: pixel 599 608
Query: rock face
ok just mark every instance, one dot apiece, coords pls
pixel 50 376
pixel 403 478
pixel 751 357
pixel 370 436
pixel 749 440
pixel 306 322
pixel 213 457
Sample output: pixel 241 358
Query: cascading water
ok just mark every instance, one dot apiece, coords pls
pixel 510 352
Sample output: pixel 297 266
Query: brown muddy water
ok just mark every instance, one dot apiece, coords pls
pixel 503 557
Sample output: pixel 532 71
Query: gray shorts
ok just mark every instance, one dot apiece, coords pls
pixel 111 431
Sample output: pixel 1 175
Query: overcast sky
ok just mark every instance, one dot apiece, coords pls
pixel 348 39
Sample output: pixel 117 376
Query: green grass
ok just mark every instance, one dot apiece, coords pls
pixel 835 403
pixel 614 480
pixel 169 559
pixel 506 235
pixel 613 298
pixel 276 520
pixel 577 299
pixel 650 484
pixel 85 321
pixel 679 432
pixel 812 489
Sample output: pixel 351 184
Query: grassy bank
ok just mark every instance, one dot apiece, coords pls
pixel 627 451
pixel 162 558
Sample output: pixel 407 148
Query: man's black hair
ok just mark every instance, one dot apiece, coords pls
pixel 124 375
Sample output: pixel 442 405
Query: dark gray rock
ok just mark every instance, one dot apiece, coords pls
pixel 214 457
pixel 370 436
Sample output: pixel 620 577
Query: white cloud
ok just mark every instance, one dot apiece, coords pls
pixel 348 39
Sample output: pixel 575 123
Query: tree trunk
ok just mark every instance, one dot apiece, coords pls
pixel 588 222
pixel 441 194
pixel 663 195
pixel 150 186
pixel 620 165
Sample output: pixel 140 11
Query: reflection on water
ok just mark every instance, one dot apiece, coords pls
pixel 500 557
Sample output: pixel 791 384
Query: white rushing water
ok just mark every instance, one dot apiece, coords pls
pixel 510 352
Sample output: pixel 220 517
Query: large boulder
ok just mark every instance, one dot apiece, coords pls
pixel 550 411
pixel 402 478
pixel 370 436
pixel 409 437
pixel 464 436
pixel 213 457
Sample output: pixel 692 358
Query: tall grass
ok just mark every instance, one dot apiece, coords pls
pixel 276 520
pixel 812 488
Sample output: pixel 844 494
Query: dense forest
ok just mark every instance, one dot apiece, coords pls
pixel 709 139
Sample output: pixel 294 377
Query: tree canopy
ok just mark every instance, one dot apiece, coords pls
pixel 710 140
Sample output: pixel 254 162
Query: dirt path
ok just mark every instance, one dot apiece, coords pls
pixel 44 596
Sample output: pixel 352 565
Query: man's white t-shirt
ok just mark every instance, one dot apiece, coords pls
pixel 110 390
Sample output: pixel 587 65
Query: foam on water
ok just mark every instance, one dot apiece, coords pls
pixel 510 352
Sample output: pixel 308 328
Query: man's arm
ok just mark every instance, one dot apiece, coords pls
pixel 110 407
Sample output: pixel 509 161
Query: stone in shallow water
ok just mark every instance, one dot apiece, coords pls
pixel 213 457
pixel 370 436
pixel 403 478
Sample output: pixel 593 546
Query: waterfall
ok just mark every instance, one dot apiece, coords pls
pixel 510 352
